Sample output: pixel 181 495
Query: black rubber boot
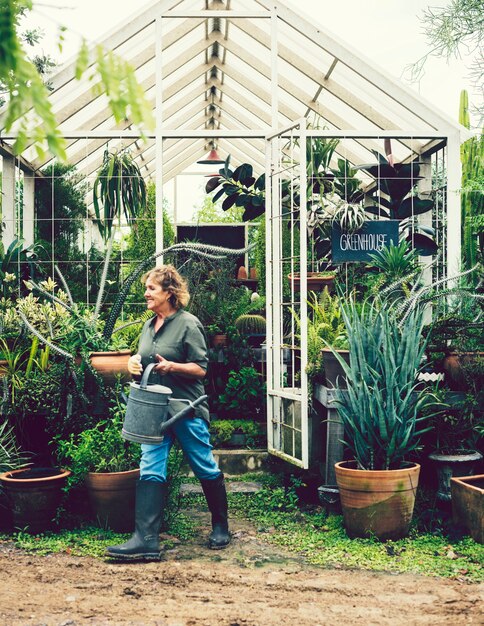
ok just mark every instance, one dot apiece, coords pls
pixel 216 496
pixel 145 542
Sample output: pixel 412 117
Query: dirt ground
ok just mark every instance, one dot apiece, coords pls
pixel 248 584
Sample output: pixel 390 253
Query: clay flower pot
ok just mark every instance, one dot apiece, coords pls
pixel 112 498
pixel 377 503
pixel 34 495
pixel 109 364
pixel 468 504
pixel 315 281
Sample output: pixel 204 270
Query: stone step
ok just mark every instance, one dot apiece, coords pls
pixel 239 486
pixel 237 462
pixel 240 462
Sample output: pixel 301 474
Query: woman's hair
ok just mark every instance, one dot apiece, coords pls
pixel 170 280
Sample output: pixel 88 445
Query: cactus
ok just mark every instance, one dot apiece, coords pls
pixel 251 324
pixel 472 197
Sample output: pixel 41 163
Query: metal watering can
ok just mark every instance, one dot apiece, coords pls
pixel 146 416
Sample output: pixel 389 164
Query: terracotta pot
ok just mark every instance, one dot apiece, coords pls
pixel 109 364
pixel 253 273
pixel 333 372
pixel 449 465
pixel 468 504
pixel 34 495
pixel 452 366
pixel 315 281
pixel 377 503
pixel 112 499
pixel 241 273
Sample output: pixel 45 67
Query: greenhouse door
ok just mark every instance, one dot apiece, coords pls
pixel 286 293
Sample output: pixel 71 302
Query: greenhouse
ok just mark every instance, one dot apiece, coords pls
pixel 340 228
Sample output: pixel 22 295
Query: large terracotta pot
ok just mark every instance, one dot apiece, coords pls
pixel 468 504
pixel 377 503
pixel 34 495
pixel 109 364
pixel 315 281
pixel 112 499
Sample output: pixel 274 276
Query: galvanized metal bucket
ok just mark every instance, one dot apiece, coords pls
pixel 147 411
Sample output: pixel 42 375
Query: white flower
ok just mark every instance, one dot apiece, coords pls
pixel 255 296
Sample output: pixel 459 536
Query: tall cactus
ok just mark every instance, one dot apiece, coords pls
pixel 472 198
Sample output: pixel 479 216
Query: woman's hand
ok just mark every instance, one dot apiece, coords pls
pixel 164 366
pixel 187 370
pixel 134 365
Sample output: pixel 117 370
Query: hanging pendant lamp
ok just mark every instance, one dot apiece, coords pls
pixel 212 158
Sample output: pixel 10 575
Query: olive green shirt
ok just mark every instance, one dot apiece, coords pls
pixel 181 339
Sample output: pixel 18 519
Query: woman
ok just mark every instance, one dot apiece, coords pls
pixel 175 340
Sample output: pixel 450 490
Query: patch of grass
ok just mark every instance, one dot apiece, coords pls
pixel 88 541
pixel 322 540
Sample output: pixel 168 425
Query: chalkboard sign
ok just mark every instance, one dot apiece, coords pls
pixel 357 246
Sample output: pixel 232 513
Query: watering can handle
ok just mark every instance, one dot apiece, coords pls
pixel 183 412
pixel 146 374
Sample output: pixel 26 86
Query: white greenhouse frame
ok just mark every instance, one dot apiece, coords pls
pixel 234 74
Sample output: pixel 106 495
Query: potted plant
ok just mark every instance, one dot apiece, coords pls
pixel 393 197
pixel 333 195
pixel 108 465
pixel 253 327
pixel 238 433
pixel 11 458
pixel 326 327
pixel 457 429
pixel 380 412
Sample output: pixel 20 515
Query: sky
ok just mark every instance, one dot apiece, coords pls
pixel 387 32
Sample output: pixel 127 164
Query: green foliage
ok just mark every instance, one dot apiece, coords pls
pixel 260 257
pixel 325 327
pixel 27 93
pixel 11 457
pixel 61 213
pixel 120 189
pixel 241 189
pixel 100 448
pixel 221 432
pixel 398 201
pixel 210 212
pixel 216 298
pixel 244 393
pixel 381 406
pixel 472 200
pixel 87 541
pixel 454 27
pixel 398 270
pixel 141 241
pixel 456 428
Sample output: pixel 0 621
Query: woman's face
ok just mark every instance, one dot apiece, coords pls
pixel 156 298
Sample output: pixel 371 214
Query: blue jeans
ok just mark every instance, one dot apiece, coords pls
pixel 194 439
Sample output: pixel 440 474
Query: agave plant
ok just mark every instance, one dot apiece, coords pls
pixel 11 457
pixel 380 409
